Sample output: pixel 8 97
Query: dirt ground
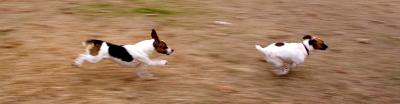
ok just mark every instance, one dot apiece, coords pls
pixel 213 63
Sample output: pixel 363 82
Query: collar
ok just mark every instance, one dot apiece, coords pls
pixel 308 51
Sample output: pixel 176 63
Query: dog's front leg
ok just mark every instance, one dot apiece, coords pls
pixel 280 68
pixel 280 71
pixel 142 73
pixel 148 61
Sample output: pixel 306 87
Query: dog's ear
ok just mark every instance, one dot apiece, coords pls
pixel 154 35
pixel 307 37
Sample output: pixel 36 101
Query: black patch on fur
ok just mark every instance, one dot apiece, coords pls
pixel 312 42
pixel 120 52
pixel 307 37
pixel 279 44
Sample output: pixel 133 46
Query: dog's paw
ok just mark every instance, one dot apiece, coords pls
pixel 280 72
pixel 163 62
pixel 75 65
pixel 148 78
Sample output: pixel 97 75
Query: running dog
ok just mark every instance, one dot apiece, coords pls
pixel 286 56
pixel 136 55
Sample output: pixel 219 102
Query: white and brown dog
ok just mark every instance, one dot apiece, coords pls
pixel 286 56
pixel 136 55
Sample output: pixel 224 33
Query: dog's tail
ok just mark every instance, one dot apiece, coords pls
pixel 259 48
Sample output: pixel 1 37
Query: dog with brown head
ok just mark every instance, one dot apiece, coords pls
pixel 286 56
pixel 159 45
pixel 316 43
pixel 131 55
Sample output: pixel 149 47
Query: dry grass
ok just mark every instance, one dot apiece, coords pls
pixel 213 64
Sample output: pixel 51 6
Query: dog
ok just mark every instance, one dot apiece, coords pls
pixel 286 56
pixel 136 55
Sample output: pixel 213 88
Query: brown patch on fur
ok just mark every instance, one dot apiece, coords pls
pixel 279 44
pixel 319 44
pixel 93 49
pixel 160 47
pixel 93 46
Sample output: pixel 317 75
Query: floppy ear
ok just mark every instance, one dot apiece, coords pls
pixel 154 35
pixel 307 37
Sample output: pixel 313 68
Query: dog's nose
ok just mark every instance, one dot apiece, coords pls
pixel 325 47
pixel 170 51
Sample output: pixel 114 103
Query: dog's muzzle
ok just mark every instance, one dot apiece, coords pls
pixel 170 51
pixel 324 47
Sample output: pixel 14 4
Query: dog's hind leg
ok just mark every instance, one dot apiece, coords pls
pixel 285 69
pixel 94 52
pixel 83 57
pixel 292 66
pixel 79 61
pixel 278 68
pixel 280 71
pixel 93 59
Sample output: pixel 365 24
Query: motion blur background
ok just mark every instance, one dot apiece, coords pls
pixel 215 61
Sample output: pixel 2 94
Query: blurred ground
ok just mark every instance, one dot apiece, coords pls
pixel 213 63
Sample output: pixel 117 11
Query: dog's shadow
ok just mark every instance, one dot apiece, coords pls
pixel 298 73
pixel 262 60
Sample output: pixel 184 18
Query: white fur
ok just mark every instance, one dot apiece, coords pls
pixel 286 57
pixel 139 51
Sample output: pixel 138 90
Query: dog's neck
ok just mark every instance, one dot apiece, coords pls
pixel 307 46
